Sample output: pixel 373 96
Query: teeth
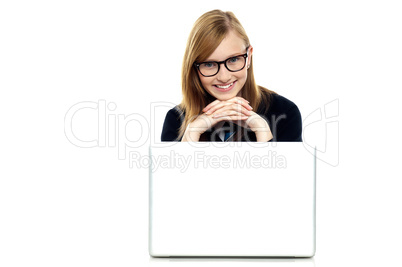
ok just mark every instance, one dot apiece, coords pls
pixel 224 87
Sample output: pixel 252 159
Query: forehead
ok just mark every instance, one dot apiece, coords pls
pixel 231 45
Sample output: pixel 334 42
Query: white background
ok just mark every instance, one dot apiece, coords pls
pixel 63 205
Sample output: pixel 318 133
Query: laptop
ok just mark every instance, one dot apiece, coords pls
pixel 231 199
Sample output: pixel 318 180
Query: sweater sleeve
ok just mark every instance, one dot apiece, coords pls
pixel 289 128
pixel 171 126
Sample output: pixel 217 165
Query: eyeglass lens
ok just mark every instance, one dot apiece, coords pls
pixel 232 64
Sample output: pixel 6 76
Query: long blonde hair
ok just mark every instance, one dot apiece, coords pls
pixel 207 33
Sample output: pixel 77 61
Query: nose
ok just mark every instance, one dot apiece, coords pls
pixel 223 74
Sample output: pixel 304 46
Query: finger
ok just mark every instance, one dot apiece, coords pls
pixel 241 101
pixel 233 118
pixel 228 113
pixel 210 105
pixel 241 109
pixel 217 106
pixel 245 104
pixel 229 109
pixel 240 118
pixel 231 104
pixel 237 118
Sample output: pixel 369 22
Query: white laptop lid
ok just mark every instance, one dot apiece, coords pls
pixel 232 199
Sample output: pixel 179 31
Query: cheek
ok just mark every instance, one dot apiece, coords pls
pixel 242 77
pixel 205 81
pixel 245 72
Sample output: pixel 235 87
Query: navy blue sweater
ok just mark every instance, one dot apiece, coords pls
pixel 282 115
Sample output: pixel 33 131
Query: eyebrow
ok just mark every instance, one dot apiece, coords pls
pixel 235 54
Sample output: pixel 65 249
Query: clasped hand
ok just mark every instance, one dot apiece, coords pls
pixel 237 110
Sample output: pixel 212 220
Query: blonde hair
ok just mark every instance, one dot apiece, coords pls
pixel 207 33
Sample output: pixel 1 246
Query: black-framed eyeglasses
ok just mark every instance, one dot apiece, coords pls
pixel 211 68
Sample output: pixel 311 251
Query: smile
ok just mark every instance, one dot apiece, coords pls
pixel 225 88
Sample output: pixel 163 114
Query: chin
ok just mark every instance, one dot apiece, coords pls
pixel 224 96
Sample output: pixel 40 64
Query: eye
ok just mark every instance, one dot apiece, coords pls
pixel 233 59
pixel 208 65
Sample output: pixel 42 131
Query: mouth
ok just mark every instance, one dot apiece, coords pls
pixel 224 87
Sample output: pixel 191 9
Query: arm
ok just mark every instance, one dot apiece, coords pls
pixel 288 127
pixel 171 125
pixel 234 109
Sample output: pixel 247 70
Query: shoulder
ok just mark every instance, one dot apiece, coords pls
pixel 171 126
pixel 284 118
pixel 175 113
pixel 275 104
pixel 280 104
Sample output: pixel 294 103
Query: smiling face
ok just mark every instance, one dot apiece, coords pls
pixel 226 84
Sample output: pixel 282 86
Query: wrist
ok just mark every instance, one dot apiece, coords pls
pixel 191 136
pixel 264 133
pixel 263 136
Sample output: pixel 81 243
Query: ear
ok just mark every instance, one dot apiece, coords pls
pixel 250 52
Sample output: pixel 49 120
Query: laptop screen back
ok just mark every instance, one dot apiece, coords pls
pixel 232 199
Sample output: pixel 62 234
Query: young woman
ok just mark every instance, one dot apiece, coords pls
pixel 221 101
